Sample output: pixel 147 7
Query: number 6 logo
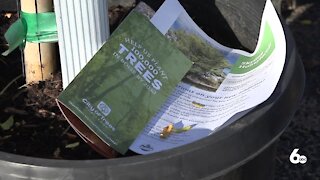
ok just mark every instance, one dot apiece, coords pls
pixel 296 158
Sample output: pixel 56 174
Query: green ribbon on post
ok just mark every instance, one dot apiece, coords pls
pixel 31 27
pixel 41 27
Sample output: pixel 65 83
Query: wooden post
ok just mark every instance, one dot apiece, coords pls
pixel 39 58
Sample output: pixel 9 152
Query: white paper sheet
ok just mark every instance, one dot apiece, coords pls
pixel 197 112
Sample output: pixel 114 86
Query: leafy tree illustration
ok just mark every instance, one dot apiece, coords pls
pixel 205 57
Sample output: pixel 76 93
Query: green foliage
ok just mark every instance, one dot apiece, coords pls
pixel 72 145
pixel 205 57
pixel 7 124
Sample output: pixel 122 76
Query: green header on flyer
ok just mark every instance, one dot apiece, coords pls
pixel 267 46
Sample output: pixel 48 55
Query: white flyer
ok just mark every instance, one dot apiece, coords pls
pixel 222 82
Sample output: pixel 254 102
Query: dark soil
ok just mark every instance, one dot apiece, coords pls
pixel 304 130
pixel 39 129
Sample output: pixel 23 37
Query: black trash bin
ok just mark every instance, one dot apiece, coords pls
pixel 243 149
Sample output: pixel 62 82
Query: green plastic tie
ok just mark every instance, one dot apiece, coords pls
pixel 31 27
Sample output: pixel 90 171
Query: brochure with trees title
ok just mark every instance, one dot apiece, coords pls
pixel 176 102
pixel 125 83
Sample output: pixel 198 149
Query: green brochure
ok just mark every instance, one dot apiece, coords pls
pixel 125 83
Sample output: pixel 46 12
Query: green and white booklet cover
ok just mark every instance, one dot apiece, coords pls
pixel 124 84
